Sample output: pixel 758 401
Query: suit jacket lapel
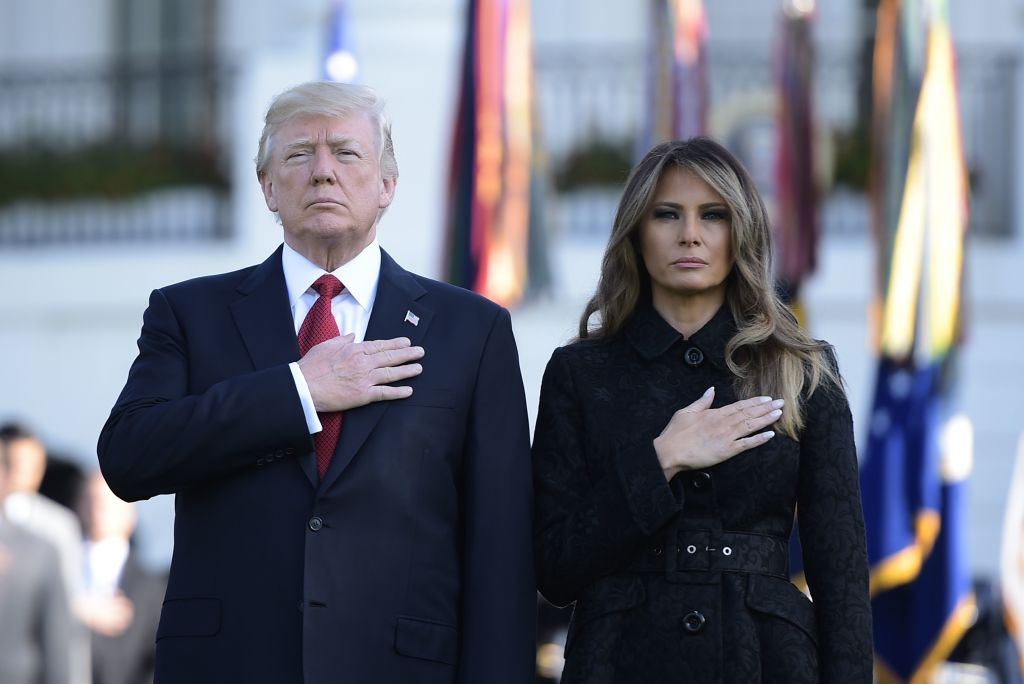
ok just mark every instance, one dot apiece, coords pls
pixel 264 320
pixel 397 295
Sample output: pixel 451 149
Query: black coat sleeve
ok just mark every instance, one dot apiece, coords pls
pixel 161 436
pixel 590 514
pixel 832 538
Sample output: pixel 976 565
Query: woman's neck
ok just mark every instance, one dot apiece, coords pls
pixel 690 313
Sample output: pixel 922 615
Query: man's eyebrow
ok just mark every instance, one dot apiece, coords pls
pixel 341 140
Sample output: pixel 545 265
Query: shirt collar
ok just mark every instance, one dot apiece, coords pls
pixel 652 336
pixel 359 275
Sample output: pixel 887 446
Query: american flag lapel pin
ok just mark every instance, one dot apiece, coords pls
pixel 410 317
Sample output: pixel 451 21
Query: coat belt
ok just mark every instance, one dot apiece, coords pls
pixel 698 551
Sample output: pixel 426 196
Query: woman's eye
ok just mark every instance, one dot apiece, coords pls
pixel 665 214
pixel 715 215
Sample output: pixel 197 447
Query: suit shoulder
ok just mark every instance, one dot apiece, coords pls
pixel 453 295
pixel 30 546
pixel 209 283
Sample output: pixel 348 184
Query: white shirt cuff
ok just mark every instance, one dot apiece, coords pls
pixel 312 420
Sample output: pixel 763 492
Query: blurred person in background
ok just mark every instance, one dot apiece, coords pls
pixel 53 522
pixel 35 618
pixel 675 441
pixel 121 602
pixel 343 512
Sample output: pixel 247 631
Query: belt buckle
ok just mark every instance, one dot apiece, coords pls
pixel 693 555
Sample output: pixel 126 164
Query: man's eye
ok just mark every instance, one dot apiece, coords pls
pixel 297 155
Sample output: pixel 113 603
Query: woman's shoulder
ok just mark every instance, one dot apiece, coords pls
pixel 829 386
pixel 589 359
pixel 589 349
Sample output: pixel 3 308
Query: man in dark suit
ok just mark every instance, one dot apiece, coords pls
pixel 402 553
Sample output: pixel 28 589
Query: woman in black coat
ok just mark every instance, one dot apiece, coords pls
pixel 675 440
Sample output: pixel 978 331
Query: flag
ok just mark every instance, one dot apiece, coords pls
pixel 489 197
pixel 917 458
pixel 918 624
pixel 796 199
pixel 677 89
pixel 340 63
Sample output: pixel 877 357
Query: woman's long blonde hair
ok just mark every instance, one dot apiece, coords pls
pixel 769 354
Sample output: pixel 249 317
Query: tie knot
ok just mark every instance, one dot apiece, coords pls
pixel 328 286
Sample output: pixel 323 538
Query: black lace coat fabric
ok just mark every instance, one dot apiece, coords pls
pixel 688 581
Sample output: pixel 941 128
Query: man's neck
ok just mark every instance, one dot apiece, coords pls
pixel 330 256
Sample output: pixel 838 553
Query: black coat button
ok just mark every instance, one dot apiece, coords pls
pixel 693 356
pixel 700 479
pixel 694 622
pixel 316 523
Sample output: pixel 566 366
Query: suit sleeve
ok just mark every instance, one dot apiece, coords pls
pixel 832 538
pixel 587 526
pixel 55 628
pixel 160 437
pixel 499 592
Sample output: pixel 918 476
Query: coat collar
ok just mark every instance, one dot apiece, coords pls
pixel 263 315
pixel 652 336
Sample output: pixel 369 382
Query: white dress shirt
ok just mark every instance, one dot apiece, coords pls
pixel 351 308
pixel 104 565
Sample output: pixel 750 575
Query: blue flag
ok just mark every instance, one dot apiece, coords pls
pixel 919 621
pixel 340 63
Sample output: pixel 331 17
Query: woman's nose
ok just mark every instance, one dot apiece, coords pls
pixel 689 229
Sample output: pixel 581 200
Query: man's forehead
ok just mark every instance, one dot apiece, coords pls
pixel 316 127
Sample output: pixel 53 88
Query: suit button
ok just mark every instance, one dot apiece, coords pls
pixel 259 461
pixel 656 550
pixel 694 622
pixel 289 451
pixel 299 606
pixel 316 523
pixel 693 356
pixel 701 479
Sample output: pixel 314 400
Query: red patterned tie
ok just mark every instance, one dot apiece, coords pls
pixel 320 326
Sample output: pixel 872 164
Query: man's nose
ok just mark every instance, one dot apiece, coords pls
pixel 323 167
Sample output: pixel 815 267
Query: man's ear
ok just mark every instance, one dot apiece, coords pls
pixel 387 191
pixel 267 186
